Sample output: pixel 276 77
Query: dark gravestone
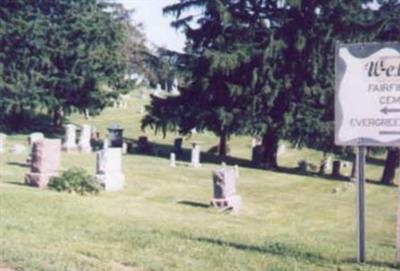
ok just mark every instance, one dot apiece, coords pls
pixel 115 136
pixel 336 168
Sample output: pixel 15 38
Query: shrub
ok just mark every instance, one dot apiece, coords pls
pixel 75 180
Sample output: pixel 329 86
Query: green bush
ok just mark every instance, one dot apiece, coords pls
pixel 75 180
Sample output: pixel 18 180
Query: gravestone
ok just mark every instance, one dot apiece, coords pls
pixel 224 184
pixel 70 138
pixel 35 137
pixel 172 160
pixel 109 169
pixel 336 168
pixel 45 162
pixel 115 136
pixel 195 159
pixel 3 139
pixel 84 139
pixel 281 150
pixel 178 145
pixel 255 142
pixel 325 165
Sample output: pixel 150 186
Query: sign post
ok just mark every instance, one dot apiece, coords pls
pixel 360 205
pixel 367 110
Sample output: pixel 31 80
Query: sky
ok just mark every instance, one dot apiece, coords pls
pixel 156 26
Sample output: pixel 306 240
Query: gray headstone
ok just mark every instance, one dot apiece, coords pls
pixel 70 138
pixel 35 137
pixel 84 140
pixel 224 184
pixel 109 169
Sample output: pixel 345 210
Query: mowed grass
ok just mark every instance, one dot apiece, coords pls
pixel 161 221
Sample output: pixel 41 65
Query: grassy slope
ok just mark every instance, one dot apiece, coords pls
pixel 159 222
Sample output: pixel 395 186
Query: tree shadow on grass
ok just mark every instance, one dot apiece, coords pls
pixel 164 151
pixel 273 248
pixel 39 123
pixel 295 171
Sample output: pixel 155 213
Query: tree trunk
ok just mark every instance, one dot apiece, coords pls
pixel 270 149
pixel 57 117
pixel 222 149
pixel 392 161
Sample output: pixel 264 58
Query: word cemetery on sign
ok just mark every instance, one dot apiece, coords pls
pixel 367 104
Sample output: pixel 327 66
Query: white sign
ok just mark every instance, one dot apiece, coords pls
pixel 367 102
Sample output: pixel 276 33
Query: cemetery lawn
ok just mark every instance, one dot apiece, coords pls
pixel 161 221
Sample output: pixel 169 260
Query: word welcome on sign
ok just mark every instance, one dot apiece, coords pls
pixel 367 100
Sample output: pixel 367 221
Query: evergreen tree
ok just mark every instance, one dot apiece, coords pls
pixel 217 54
pixel 60 56
pixel 389 31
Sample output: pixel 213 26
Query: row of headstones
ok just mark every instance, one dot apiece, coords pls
pixel 70 142
pixel 46 160
pixel 45 164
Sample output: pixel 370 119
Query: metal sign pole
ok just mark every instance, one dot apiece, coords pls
pixel 360 204
pixel 398 226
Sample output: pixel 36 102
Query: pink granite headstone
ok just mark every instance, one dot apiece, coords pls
pixel 45 163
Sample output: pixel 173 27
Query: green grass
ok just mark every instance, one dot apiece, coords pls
pixel 160 222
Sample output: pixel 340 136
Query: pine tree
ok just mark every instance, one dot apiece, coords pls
pixel 60 56
pixel 216 57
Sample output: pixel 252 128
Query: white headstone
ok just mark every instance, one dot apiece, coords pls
pixel 35 137
pixel 109 169
pixel 174 90
pixel 70 138
pixel 195 160
pixel 281 149
pixel 172 159
pixel 106 144
pixel 84 140
pixel 3 138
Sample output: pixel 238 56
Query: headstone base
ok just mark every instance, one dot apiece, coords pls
pixel 232 202
pixel 39 179
pixel 111 182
